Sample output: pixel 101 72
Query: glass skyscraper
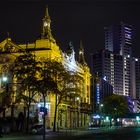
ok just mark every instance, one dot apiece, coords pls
pixel 118 40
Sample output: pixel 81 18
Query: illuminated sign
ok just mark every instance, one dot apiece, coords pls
pixel 128 36
pixel 104 78
pixel 96 116
pixel 98 93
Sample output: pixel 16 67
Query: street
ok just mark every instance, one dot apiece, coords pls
pixel 93 134
pixel 115 134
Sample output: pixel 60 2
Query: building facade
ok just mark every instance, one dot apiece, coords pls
pixel 69 116
pixel 135 82
pixel 118 40
pixel 102 89
pixel 109 66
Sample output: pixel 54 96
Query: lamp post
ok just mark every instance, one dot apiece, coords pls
pixel 4 80
pixel 101 109
pixel 101 112
pixel 77 99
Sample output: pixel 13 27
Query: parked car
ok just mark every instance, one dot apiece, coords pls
pixel 37 129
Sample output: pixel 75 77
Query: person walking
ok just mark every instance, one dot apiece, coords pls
pixel 20 121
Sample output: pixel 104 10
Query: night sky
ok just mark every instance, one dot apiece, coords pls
pixel 72 20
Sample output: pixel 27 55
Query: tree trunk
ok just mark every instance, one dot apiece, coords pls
pixel 44 120
pixel 12 117
pixel 28 111
pixel 55 114
pixel 27 125
pixel 4 112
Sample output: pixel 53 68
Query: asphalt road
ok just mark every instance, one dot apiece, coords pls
pixel 95 134
pixel 115 134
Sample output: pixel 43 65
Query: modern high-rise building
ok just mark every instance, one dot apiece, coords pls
pixel 109 66
pixel 113 64
pixel 135 80
pixel 118 74
pixel 137 77
pixel 118 40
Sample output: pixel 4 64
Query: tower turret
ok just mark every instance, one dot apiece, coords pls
pixel 46 29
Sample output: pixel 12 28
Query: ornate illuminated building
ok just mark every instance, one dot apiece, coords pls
pixel 46 47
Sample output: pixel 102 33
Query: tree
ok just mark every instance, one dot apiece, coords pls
pixel 51 75
pixel 68 90
pixel 45 83
pixel 63 83
pixel 59 73
pixel 25 70
pixel 35 77
pixel 6 101
pixel 115 106
pixel 6 88
pixel 45 77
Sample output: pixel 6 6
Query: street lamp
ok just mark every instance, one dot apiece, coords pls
pixel 102 105
pixel 77 99
pixel 4 80
pixel 101 108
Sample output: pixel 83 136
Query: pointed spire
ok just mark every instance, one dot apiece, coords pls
pixel 70 48
pixel 47 13
pixel 46 19
pixel 7 34
pixel 81 54
pixel 81 47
